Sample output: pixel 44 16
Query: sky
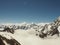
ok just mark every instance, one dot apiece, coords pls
pixel 17 11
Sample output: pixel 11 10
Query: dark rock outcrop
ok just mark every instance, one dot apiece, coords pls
pixel 8 41
pixel 7 29
pixel 54 31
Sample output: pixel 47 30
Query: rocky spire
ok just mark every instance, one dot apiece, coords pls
pixel 57 21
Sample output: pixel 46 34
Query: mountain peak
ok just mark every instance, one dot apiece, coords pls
pixel 58 18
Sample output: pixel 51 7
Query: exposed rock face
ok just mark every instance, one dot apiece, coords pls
pixel 57 22
pixel 54 31
pixel 6 38
pixel 7 29
pixel 50 31
pixel 44 32
pixel 5 41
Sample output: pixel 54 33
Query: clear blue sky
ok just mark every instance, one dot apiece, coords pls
pixel 29 10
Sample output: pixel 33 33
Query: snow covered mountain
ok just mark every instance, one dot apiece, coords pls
pixel 30 33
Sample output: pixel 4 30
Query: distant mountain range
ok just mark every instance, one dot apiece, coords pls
pixel 25 33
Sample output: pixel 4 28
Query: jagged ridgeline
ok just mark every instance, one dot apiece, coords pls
pixel 50 29
pixel 57 21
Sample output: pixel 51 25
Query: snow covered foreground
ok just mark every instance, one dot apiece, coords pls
pixel 28 37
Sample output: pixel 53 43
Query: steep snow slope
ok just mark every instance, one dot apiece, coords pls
pixel 7 39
